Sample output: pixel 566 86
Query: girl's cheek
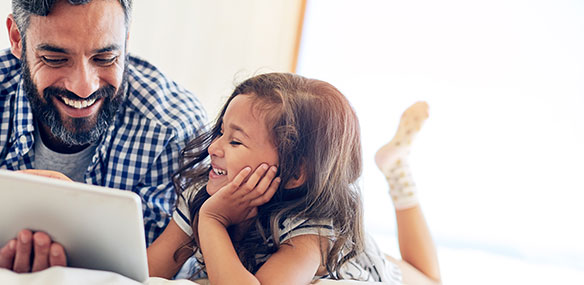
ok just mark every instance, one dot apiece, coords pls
pixel 231 175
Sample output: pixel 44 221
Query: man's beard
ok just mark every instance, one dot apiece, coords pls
pixel 78 131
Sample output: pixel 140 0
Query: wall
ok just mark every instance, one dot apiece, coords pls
pixel 498 163
pixel 208 46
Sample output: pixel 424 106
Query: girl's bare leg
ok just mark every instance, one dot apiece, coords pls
pixel 420 262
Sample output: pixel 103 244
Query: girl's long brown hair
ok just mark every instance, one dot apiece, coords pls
pixel 313 128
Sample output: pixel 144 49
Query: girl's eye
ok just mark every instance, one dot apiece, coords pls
pixel 234 143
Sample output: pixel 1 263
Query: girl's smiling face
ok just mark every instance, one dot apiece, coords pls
pixel 244 141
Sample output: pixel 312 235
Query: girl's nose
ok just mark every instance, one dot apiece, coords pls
pixel 215 148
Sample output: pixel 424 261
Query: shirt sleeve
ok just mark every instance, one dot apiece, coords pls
pixel 294 227
pixel 181 215
pixel 157 191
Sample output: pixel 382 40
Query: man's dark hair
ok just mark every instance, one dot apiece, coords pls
pixel 22 9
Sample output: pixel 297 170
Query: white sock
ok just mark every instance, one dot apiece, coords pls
pixel 392 158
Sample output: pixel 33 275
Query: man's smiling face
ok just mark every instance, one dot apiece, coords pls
pixel 74 68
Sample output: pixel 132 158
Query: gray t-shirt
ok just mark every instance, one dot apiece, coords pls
pixel 74 165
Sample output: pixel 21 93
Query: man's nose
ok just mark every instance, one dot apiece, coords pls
pixel 83 81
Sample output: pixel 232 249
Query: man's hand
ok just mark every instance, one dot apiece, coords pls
pixel 31 252
pixel 46 173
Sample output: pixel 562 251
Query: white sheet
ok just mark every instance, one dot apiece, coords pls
pixel 75 276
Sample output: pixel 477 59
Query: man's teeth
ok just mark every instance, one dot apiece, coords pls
pixel 78 104
pixel 219 172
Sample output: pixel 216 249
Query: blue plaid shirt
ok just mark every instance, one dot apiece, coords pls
pixel 140 150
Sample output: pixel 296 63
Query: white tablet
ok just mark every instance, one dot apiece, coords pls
pixel 100 228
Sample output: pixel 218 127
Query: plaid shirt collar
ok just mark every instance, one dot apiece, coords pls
pixel 22 139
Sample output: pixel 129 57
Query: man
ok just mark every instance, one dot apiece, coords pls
pixel 72 100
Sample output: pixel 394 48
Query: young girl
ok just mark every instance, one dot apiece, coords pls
pixel 270 194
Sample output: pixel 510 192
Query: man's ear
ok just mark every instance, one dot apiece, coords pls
pixel 298 179
pixel 14 37
pixel 128 40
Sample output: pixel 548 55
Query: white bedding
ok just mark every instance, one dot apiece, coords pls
pixel 75 276
pixel 458 266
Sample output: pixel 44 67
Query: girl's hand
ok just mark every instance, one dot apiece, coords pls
pixel 238 200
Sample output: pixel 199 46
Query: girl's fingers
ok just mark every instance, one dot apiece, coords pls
pixel 263 185
pixel 266 196
pixel 252 182
pixel 239 178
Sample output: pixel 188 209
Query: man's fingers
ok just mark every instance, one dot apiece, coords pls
pixel 42 244
pixel 46 173
pixel 57 256
pixel 264 198
pixel 23 251
pixel 7 254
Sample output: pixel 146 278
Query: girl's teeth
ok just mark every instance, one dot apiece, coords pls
pixel 219 172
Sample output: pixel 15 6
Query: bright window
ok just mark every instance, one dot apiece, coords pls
pixel 500 161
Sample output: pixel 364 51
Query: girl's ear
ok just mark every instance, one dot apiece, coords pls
pixel 298 179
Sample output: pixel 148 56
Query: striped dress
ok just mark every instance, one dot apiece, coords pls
pixel 369 265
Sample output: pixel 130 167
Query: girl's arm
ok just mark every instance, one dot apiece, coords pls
pixel 221 260
pixel 297 260
pixel 161 262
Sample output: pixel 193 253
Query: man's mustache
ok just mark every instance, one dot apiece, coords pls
pixel 102 92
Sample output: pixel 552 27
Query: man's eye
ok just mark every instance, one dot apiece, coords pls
pixel 105 61
pixel 53 61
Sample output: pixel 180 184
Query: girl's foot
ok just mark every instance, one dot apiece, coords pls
pixel 392 158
